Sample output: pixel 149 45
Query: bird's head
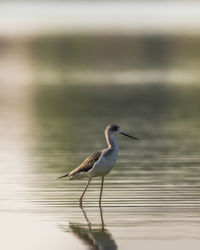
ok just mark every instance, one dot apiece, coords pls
pixel 111 129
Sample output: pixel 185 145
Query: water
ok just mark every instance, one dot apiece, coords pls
pixel 151 199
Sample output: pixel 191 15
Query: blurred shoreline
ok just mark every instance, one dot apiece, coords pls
pixel 101 59
pixel 99 42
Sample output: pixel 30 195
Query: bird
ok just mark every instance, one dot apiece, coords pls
pixel 98 164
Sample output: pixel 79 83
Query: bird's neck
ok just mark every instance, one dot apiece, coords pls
pixel 111 141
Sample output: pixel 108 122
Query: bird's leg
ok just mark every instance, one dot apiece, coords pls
pixel 101 192
pixel 81 198
pixel 88 222
pixel 102 222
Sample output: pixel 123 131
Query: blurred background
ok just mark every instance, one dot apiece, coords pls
pixel 67 70
pixel 100 42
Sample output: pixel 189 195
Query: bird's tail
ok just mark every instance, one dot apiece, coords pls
pixel 62 176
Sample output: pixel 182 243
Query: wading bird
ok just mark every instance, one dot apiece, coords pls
pixel 100 163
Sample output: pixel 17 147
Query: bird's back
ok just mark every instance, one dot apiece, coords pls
pixel 85 166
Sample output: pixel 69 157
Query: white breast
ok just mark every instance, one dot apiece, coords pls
pixel 105 163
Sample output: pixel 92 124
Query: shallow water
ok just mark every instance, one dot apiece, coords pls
pixel 151 199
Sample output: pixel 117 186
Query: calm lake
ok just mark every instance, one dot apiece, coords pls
pixel 151 199
pixel 66 72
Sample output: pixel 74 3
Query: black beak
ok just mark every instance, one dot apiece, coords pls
pixel 129 136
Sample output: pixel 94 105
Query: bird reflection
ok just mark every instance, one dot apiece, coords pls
pixel 95 237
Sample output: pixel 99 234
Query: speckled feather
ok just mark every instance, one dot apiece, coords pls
pixel 86 165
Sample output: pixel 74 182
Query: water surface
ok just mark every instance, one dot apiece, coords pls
pixel 151 198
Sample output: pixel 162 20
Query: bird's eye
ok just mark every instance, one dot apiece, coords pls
pixel 115 128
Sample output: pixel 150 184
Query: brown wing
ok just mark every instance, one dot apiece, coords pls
pixel 87 164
